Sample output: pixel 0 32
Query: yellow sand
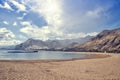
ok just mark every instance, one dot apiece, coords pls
pixel 82 69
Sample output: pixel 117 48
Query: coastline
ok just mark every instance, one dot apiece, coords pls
pixel 98 67
pixel 90 55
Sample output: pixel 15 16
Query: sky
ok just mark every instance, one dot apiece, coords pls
pixel 55 19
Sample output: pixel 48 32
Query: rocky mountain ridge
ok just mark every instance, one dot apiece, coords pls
pixel 49 44
pixel 106 41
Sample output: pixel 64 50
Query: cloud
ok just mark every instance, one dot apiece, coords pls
pixel 43 33
pixel 49 9
pixel 85 22
pixel 87 17
pixel 92 34
pixel 59 19
pixel 36 32
pixel 46 33
pixel 7 37
pixel 20 18
pixel 5 22
pixel 8 43
pixel 22 37
pixel 6 34
pixel 60 25
pixel 15 24
pixel 20 6
pixel 94 13
pixel 78 35
pixel 6 6
pixel 26 23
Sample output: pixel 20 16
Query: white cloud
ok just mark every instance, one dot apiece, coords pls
pixel 78 35
pixel 5 22
pixel 43 33
pixel 92 34
pixel 36 32
pixel 22 37
pixel 46 33
pixel 7 37
pixel 49 9
pixel 20 18
pixel 62 19
pixel 20 6
pixel 6 6
pixel 6 34
pixel 26 23
pixel 8 43
pixel 15 24
pixel 58 27
pixel 88 21
pixel 94 13
pixel 24 14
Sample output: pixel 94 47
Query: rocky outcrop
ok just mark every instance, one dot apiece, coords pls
pixel 106 41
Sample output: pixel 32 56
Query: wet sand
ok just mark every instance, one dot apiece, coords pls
pixel 97 67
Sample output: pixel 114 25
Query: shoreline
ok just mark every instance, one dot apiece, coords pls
pixel 89 55
pixel 98 67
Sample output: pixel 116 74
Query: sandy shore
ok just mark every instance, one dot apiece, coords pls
pixel 100 67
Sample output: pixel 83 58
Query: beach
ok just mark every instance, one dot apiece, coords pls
pixel 99 67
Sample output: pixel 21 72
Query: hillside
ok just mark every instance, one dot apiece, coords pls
pixel 50 44
pixel 106 41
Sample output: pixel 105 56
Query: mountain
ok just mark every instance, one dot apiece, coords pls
pixel 106 41
pixel 49 44
pixel 32 44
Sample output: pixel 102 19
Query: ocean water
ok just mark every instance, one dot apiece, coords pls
pixel 40 55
